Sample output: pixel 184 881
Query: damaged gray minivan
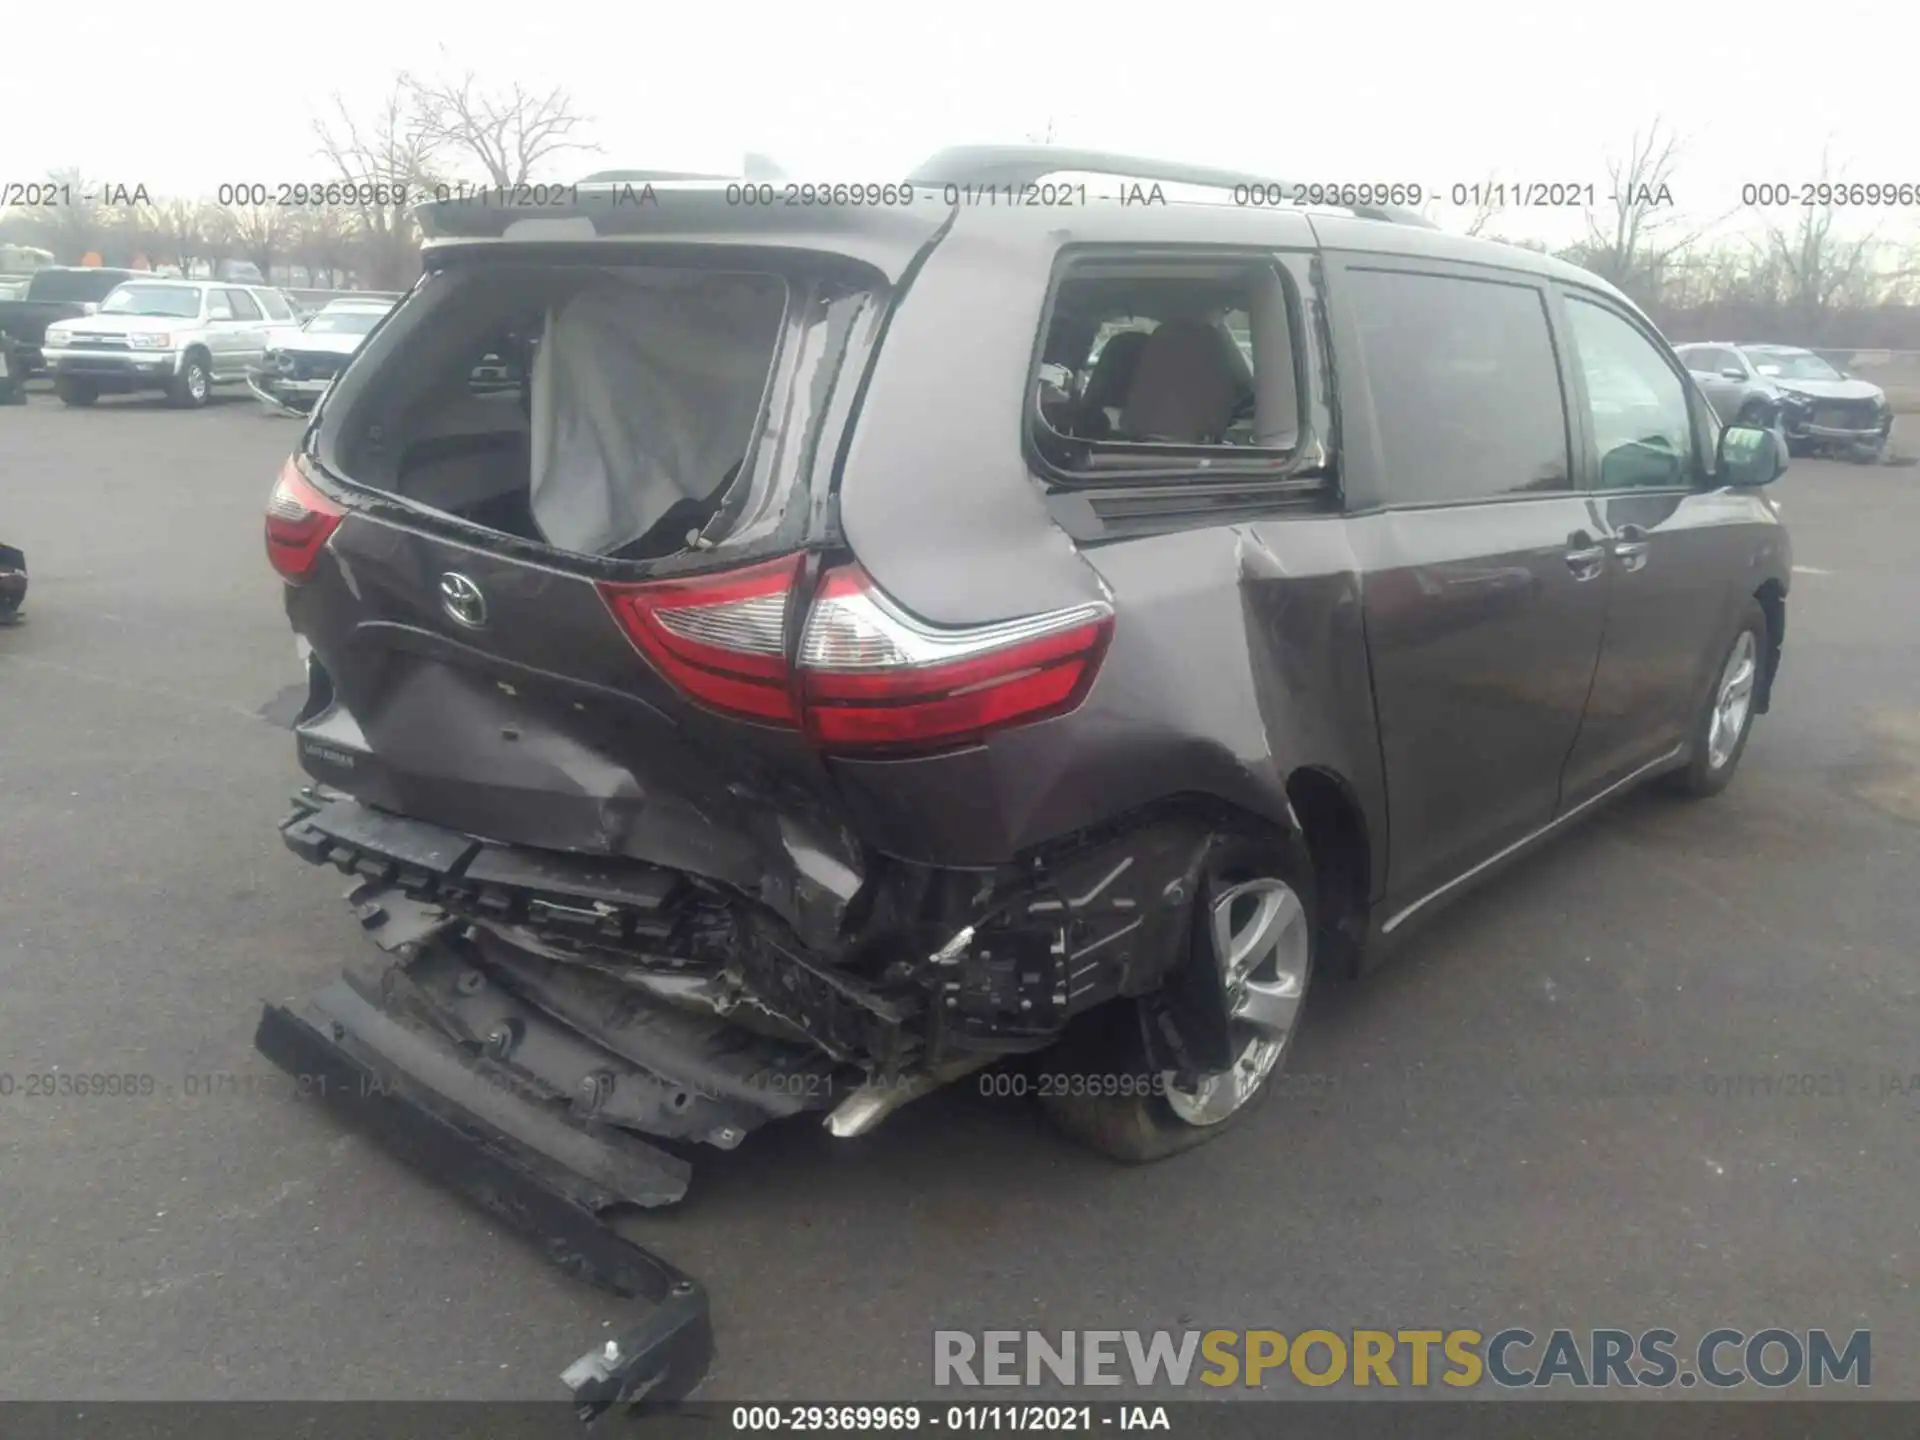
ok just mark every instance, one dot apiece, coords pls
pixel 834 648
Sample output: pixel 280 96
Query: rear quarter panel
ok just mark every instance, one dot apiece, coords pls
pixel 1238 655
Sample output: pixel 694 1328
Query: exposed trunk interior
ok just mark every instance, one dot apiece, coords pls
pixel 598 409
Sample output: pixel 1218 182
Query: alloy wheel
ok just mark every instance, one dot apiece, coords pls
pixel 1732 701
pixel 1258 932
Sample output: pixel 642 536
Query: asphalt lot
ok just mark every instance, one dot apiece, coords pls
pixel 1461 1163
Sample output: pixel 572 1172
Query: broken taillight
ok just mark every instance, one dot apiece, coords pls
pixel 300 520
pixel 721 638
pixel 869 676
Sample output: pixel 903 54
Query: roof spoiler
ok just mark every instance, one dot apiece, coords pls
pixel 646 177
pixel 1023 164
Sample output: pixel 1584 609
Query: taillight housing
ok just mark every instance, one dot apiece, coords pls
pixel 873 677
pixel 300 521
pixel 721 638
pixel 869 677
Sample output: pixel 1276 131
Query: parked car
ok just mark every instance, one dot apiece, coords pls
pixel 780 704
pixel 183 337
pixel 295 371
pixel 1818 405
pixel 56 293
pixel 13 287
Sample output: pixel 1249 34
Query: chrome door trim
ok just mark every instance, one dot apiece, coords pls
pixel 1531 837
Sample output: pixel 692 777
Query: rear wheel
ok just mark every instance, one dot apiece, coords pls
pixel 190 388
pixel 75 392
pixel 1254 926
pixel 1726 720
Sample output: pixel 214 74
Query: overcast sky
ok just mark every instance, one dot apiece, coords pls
pixel 185 98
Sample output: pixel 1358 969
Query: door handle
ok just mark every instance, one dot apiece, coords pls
pixel 1630 548
pixel 1584 557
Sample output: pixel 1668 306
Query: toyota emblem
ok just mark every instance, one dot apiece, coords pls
pixel 462 600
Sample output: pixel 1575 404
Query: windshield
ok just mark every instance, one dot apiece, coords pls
pixel 172 300
pixel 343 322
pixel 1793 365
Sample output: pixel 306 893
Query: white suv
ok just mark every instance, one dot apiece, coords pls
pixel 179 336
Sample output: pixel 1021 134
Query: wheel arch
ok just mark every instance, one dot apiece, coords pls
pixel 1772 596
pixel 1333 826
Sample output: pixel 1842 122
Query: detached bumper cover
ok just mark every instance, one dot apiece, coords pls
pixel 276 389
pixel 423 1098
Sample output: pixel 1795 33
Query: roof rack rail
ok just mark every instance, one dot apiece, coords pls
pixel 1023 164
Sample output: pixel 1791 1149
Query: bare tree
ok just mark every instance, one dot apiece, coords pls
pixel 179 233
pixel 262 233
pixel 76 227
pixel 1487 196
pixel 507 133
pixel 388 160
pixel 322 243
pixel 1815 266
pixel 1633 238
pixel 218 236
pixel 132 234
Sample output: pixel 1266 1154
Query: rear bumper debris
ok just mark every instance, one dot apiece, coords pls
pixel 539 1017
pixel 13 581
pixel 426 1100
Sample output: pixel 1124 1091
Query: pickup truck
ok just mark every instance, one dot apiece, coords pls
pixel 56 293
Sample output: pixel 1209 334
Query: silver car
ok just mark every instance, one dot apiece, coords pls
pixel 1819 406
pixel 182 337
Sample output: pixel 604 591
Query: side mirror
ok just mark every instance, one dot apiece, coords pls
pixel 1732 374
pixel 1749 455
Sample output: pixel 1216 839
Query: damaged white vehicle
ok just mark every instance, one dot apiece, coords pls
pixel 296 371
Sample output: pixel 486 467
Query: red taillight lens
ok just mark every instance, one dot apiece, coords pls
pixel 871 677
pixel 874 677
pixel 721 638
pixel 300 521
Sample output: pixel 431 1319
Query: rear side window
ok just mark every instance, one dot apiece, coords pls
pixel 276 307
pixel 1466 391
pixel 1157 363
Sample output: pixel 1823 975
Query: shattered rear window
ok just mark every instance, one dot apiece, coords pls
pixel 604 410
